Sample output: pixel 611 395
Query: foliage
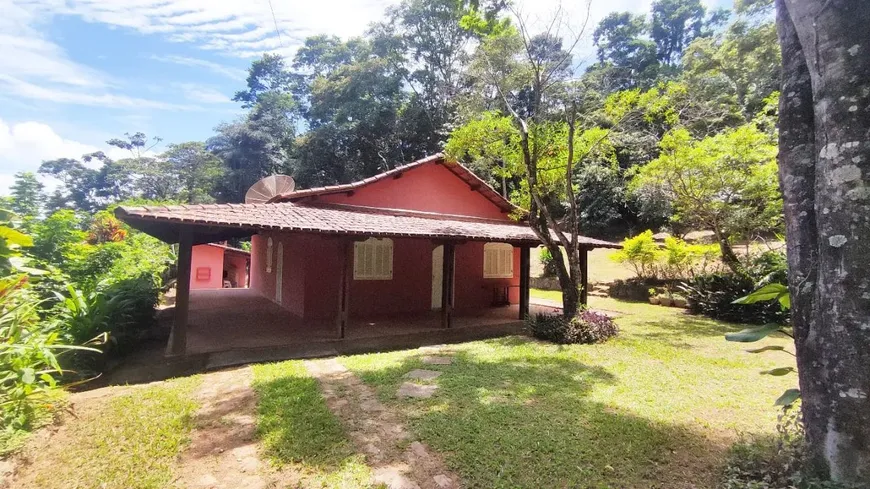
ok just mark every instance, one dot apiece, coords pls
pixel 106 228
pixel 726 183
pixel 640 253
pixel 777 463
pixel 713 295
pixel 56 237
pixel 29 366
pixel 546 259
pixel 586 328
pixel 673 261
pixel 26 193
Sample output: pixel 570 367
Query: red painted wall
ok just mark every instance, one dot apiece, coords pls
pixel 430 188
pixel 293 279
pixel 236 265
pixel 211 258
pixel 472 290
pixel 312 269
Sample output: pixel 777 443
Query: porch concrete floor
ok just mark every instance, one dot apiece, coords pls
pixel 237 319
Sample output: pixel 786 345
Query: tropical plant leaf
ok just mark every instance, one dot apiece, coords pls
pixel 767 348
pixel 770 292
pixel 779 372
pixel 14 237
pixel 753 334
pixel 28 375
pixel 788 397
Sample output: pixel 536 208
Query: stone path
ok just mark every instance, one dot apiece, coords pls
pixel 378 433
pixel 223 449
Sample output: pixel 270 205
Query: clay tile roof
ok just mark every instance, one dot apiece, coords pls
pixel 473 181
pixel 334 219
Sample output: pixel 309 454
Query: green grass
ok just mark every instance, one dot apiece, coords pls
pixel 659 406
pixel 298 431
pixel 550 295
pixel 130 441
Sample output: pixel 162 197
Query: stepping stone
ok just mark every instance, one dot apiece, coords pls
pixel 393 478
pixel 437 360
pixel 410 389
pixel 442 481
pixel 421 374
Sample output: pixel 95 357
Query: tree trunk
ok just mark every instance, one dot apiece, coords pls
pixel 825 178
pixel 729 258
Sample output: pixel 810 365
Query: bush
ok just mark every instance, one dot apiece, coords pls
pixel 633 289
pixel 640 253
pixel 588 327
pixel 713 295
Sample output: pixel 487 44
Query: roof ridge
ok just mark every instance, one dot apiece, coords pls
pixel 479 184
pixel 407 212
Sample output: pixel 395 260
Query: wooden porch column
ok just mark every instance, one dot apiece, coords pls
pixel 346 250
pixel 447 285
pixel 584 276
pixel 525 279
pixel 178 336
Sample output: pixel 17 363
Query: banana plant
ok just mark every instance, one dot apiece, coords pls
pixel 769 292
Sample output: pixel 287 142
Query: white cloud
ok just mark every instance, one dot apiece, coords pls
pixel 203 94
pixel 20 88
pixel 25 145
pixel 227 71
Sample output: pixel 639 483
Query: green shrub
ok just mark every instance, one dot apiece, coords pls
pixel 640 253
pixel 587 327
pixel 29 367
pixel 713 295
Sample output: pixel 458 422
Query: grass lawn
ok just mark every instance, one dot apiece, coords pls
pixel 658 406
pixel 129 441
pixel 601 267
pixel 298 431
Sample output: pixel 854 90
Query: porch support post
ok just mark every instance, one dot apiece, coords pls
pixel 447 285
pixel 584 276
pixel 178 336
pixel 525 280
pixel 344 287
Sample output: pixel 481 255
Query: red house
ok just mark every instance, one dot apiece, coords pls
pixel 424 246
pixel 218 266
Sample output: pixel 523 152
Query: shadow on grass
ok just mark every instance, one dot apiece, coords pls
pixel 520 417
pixel 294 423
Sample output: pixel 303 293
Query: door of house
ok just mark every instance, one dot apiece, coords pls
pixel 279 274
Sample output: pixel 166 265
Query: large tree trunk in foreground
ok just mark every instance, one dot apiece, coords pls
pixel 825 178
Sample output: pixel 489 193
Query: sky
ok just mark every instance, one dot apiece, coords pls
pixel 75 73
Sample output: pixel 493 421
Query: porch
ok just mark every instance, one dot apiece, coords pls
pixel 236 320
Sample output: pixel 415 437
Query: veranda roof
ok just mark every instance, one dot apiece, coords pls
pixel 220 221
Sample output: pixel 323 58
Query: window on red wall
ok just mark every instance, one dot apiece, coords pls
pixel 498 260
pixel 373 259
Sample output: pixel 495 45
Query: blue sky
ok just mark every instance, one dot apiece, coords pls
pixel 74 73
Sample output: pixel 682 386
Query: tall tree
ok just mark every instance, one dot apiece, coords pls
pixel 825 176
pixel 27 196
pixel 675 23
pixel 625 50
pixel 195 171
pixel 531 75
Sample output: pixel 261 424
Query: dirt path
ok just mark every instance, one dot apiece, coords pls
pixel 223 449
pixel 378 433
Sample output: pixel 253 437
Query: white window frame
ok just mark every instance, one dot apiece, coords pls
pixel 498 260
pixel 269 255
pixel 373 259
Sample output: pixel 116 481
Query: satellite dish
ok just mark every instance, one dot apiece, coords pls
pixel 269 187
